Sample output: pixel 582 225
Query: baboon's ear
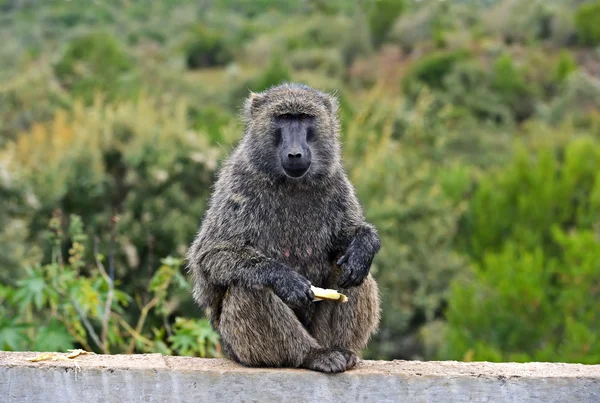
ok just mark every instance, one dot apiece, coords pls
pixel 331 103
pixel 253 103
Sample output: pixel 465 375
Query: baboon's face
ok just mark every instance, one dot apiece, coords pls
pixel 292 133
pixel 293 136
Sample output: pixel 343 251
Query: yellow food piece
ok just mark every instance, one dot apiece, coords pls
pixel 57 357
pixel 328 294
pixel 77 352
pixel 42 357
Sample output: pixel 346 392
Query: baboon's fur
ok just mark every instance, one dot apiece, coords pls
pixel 258 218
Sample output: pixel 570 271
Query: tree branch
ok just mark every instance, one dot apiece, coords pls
pixel 87 324
pixel 109 297
pixel 141 320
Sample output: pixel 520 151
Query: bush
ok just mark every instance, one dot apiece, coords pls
pixel 578 99
pixel 565 65
pixel 69 303
pixel 431 70
pixel 535 277
pixel 30 98
pixel 276 73
pixel 205 48
pixel 316 32
pixel 587 23
pixel 467 91
pixel 414 28
pixel 138 161
pixel 398 183
pixel 97 62
pixel 382 16
pixel 357 41
pixel 522 22
pixel 509 83
pixel 328 61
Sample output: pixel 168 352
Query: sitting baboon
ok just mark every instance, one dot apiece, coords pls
pixel 283 217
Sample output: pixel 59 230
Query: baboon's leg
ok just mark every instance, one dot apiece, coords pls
pixel 258 329
pixel 347 327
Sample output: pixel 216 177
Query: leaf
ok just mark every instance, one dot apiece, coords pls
pixel 12 335
pixel 194 337
pixel 31 289
pixel 53 337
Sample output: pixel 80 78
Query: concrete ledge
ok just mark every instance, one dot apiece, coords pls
pixel 157 378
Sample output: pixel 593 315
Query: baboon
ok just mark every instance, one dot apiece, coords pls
pixel 283 216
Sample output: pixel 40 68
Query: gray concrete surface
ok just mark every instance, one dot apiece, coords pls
pixel 157 378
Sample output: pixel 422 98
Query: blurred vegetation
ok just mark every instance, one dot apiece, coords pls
pixel 470 130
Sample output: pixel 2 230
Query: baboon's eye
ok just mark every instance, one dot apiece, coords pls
pixel 295 116
pixel 278 133
pixel 310 133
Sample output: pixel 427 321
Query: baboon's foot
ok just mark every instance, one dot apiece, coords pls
pixel 350 357
pixel 328 361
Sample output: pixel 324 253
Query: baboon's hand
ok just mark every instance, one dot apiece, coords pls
pixel 293 288
pixel 356 264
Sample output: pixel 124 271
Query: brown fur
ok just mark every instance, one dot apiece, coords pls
pixel 267 236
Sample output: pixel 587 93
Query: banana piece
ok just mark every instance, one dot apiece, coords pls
pixel 328 294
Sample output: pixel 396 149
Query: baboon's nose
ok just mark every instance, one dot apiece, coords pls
pixel 294 155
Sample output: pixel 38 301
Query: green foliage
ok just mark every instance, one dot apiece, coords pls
pixel 431 70
pixel 398 182
pixel 317 32
pixel 587 22
pixel 69 303
pixel 357 41
pixel 538 195
pixel 564 66
pixel 205 47
pixel 277 72
pixel 509 83
pixel 578 99
pixel 530 296
pixel 467 90
pixel 195 338
pixel 329 61
pixel 101 116
pixel 96 62
pixel 414 28
pixel 137 161
pixel 382 15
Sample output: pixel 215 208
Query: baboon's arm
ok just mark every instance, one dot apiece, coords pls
pixel 358 241
pixel 222 255
pixel 224 263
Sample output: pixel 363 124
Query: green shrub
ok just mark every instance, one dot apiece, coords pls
pixel 139 161
pixel 205 47
pixel 397 180
pixel 316 32
pixel 357 41
pixel 431 70
pixel 276 73
pixel 96 62
pixel 382 16
pixel 30 98
pixel 532 293
pixel 587 23
pixel 537 195
pixel 414 28
pixel 578 100
pixel 69 303
pixel 509 83
pixel 467 91
pixel 564 66
pixel 328 61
